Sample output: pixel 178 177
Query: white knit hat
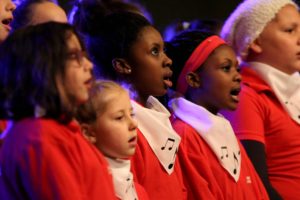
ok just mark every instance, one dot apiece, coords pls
pixel 247 22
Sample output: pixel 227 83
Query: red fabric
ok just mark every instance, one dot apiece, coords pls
pixel 141 192
pixel 2 125
pixel 261 117
pixel 42 159
pixel 151 175
pixel 198 161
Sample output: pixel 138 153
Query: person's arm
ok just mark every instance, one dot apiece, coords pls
pixel 256 153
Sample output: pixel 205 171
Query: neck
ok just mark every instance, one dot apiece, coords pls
pixel 142 99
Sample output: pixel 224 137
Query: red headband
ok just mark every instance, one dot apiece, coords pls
pixel 197 58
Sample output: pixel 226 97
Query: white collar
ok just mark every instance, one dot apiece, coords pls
pixel 122 179
pixel 285 86
pixel 215 130
pixel 155 125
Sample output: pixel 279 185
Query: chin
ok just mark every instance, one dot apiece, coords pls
pixel 232 107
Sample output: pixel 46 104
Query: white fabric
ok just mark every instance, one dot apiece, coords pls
pixel 215 130
pixel 155 125
pixel 122 179
pixel 248 21
pixel 285 86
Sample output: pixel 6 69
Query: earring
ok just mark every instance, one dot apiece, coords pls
pixel 129 71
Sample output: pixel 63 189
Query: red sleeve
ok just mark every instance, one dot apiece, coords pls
pixel 248 119
pixel 50 171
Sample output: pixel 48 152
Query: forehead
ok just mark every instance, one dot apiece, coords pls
pixel 73 41
pixel 223 51
pixel 149 35
pixel 287 14
pixel 109 99
pixel 48 11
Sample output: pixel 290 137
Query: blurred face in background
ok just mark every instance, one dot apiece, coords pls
pixel 6 16
pixel 47 11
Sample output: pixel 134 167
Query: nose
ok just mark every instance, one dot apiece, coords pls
pixel 88 65
pixel 167 61
pixel 10 6
pixel 133 124
pixel 238 76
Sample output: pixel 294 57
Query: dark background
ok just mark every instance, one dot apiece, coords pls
pixel 167 11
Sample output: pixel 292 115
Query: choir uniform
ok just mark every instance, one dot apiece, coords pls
pixel 44 159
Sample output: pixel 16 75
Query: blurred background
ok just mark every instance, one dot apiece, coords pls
pixel 165 12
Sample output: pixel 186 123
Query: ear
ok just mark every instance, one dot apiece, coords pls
pixel 88 133
pixel 121 66
pixel 255 46
pixel 193 80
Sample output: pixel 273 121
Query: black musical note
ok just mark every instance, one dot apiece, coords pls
pixel 130 187
pixel 236 162
pixel 224 148
pixel 171 146
pixel 173 160
pixel 128 184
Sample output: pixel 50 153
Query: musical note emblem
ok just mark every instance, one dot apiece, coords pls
pixel 236 162
pixel 224 149
pixel 173 161
pixel 172 142
pixel 130 188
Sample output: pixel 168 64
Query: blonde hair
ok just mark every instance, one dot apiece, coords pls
pixel 99 96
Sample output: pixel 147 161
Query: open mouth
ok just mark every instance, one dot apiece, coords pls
pixel 7 22
pixel 89 82
pixel 167 80
pixel 235 93
pixel 133 141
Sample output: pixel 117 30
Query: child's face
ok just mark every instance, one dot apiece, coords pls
pixel 150 65
pixel 220 80
pixel 6 16
pixel 115 128
pixel 48 11
pixel 280 41
pixel 77 81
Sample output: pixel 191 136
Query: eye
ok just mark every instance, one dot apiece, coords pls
pixel 132 114
pixel 289 30
pixel 155 51
pixel 226 68
pixel 119 117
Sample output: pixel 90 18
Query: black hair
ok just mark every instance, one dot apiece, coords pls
pixel 108 34
pixel 209 25
pixel 180 48
pixel 23 13
pixel 29 71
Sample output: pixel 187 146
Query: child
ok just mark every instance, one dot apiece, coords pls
pixel 32 12
pixel 266 35
pixel 207 74
pixel 44 155
pixel 108 121
pixel 6 9
pixel 126 47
